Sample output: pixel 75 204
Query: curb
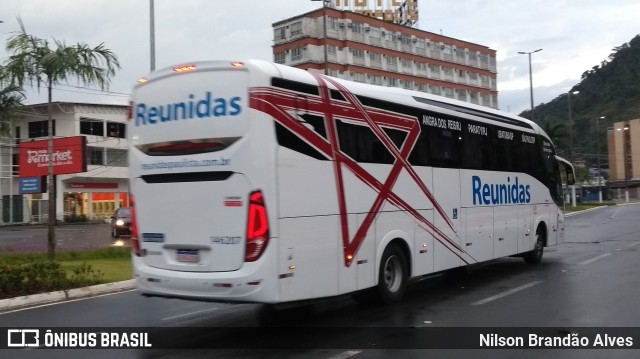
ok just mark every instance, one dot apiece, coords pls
pixel 584 211
pixel 62 296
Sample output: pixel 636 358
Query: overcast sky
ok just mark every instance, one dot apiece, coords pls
pixel 575 35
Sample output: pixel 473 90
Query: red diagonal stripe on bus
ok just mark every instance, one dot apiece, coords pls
pixel 274 102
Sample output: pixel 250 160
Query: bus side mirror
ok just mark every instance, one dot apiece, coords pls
pixel 571 178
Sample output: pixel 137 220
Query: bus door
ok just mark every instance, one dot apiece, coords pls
pixel 568 177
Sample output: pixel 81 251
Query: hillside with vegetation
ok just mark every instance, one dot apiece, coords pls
pixel 610 89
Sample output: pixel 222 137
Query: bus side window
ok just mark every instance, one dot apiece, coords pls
pixel 444 148
pixel 478 151
pixel 420 153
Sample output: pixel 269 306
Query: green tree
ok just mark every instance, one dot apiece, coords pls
pixel 37 62
pixel 557 131
pixel 11 97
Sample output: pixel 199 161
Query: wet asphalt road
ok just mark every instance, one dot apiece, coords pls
pixel 590 281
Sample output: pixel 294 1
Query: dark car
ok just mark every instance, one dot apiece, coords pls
pixel 121 222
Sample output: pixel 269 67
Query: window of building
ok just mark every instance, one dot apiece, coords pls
pixel 420 43
pixel 116 129
pixel 279 33
pixel 95 156
pixel 473 57
pixel 448 92
pixel 375 57
pixel 392 60
pixel 16 164
pixel 116 157
pixel 90 126
pixel 357 53
pixel 357 27
pixel 406 63
pixel 280 57
pixel 296 28
pixel 332 23
pixel 374 32
pixel 484 61
pixel 41 128
pixel 296 54
pixel 358 76
pixel 392 82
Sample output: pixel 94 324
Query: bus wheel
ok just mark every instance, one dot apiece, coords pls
pixel 535 256
pixel 392 279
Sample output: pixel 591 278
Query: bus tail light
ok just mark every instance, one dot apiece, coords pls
pixel 135 241
pixel 257 228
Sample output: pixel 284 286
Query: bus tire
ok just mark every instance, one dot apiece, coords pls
pixel 393 275
pixel 535 256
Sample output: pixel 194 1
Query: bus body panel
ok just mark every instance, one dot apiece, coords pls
pixel 478 233
pixel 201 228
pixel 448 250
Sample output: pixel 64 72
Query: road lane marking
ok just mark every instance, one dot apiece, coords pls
pixel 594 259
pixel 504 294
pixel 633 244
pixel 193 313
pixel 347 354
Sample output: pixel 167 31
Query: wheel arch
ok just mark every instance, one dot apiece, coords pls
pixel 544 230
pixel 398 238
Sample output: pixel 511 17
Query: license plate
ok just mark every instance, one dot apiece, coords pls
pixel 188 256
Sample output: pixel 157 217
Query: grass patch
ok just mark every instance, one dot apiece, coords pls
pixel 32 273
pixel 110 270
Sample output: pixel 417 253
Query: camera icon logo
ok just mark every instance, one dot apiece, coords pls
pixel 21 338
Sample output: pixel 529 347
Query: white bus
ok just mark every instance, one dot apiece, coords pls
pixel 256 182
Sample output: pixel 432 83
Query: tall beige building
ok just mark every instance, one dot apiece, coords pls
pixel 624 157
pixel 353 46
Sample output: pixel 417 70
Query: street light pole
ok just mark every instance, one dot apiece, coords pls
pixel 573 187
pixel 598 158
pixel 571 124
pixel 152 36
pixel 625 154
pixel 530 78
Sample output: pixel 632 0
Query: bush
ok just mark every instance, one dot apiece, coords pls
pixel 34 276
pixel 74 218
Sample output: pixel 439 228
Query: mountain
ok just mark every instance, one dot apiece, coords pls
pixel 611 89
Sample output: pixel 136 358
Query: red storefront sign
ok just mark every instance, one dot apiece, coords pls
pixel 69 156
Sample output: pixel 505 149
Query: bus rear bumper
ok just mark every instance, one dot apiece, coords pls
pixel 250 284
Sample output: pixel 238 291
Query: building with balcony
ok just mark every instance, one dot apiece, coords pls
pixel 366 49
pixel 95 193
pixel 623 141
